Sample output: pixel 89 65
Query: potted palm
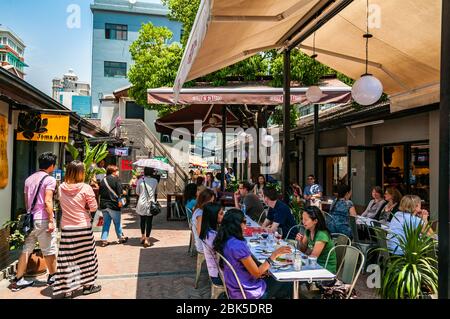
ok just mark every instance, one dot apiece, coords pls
pixel 414 274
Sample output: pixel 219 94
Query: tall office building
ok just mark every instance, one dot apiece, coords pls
pixel 73 94
pixel 116 25
pixel 12 50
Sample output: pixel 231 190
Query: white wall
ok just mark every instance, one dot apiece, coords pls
pixel 411 128
pixel 5 193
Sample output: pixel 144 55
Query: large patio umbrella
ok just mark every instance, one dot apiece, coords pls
pixel 405 54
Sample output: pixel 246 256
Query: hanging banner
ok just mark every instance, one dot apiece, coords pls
pixel 43 128
pixel 3 152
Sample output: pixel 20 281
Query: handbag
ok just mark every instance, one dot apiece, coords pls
pixel 155 208
pixel 121 201
pixel 26 222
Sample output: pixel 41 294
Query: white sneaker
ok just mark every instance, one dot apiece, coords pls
pixel 21 284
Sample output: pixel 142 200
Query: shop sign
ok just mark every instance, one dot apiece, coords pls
pixel 121 151
pixel 3 152
pixel 127 165
pixel 43 128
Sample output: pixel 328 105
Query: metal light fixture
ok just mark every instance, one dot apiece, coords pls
pixel 367 90
pixel 314 93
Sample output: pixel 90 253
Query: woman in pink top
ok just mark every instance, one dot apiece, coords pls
pixel 77 259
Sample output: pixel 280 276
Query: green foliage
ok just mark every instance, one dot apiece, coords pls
pixel 277 186
pixel 16 239
pixel 156 64
pixel 277 116
pixel 415 273
pixel 92 155
pixel 183 11
pixel 297 210
pixel 232 186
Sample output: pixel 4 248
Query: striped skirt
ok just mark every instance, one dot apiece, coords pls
pixel 77 264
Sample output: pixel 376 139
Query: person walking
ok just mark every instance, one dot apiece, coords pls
pixel 110 194
pixel 146 189
pixel 77 264
pixel 39 190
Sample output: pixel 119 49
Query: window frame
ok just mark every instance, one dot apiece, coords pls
pixel 113 30
pixel 114 74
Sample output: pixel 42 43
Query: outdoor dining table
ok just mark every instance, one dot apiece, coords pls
pixel 286 272
pixel 361 220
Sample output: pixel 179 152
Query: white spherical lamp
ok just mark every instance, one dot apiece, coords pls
pixel 367 90
pixel 267 140
pixel 314 94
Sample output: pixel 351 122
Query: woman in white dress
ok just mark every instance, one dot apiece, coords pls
pixel 146 189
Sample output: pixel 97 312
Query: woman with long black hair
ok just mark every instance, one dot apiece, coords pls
pixel 146 190
pixel 211 219
pixel 317 241
pixel 259 187
pixel 231 244
pixel 190 198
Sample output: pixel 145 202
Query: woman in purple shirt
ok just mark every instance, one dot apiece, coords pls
pixel 231 244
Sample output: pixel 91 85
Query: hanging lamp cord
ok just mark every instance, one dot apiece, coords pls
pixel 367 38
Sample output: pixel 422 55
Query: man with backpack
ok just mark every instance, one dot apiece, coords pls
pixel 39 190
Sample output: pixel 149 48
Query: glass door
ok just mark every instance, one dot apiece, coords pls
pixel 364 165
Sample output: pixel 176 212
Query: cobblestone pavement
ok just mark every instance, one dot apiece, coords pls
pixel 129 271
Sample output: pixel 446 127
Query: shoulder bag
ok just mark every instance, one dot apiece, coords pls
pixel 121 201
pixel 26 222
pixel 155 208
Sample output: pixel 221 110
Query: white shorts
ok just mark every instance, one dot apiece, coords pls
pixel 47 241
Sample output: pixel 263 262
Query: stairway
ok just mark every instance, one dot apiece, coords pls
pixel 145 143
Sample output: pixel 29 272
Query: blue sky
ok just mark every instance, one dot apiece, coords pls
pixel 52 47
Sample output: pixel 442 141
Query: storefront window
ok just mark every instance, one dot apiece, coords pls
pixel 419 177
pixel 394 167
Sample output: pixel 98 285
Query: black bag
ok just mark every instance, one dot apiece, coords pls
pixel 155 208
pixel 26 222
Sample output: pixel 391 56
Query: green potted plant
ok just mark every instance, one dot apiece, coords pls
pixel 414 274
pixel 36 262
pixel 92 155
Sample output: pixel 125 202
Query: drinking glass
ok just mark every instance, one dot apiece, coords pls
pixel 279 234
pixel 312 261
pixel 297 261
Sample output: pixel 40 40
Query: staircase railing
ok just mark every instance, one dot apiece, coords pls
pixel 176 181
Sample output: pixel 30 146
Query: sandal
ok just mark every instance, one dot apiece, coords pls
pixel 91 289
pixel 146 244
pixel 104 244
pixel 123 240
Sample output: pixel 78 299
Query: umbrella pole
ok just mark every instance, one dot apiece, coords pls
pixel 286 122
pixel 224 135
pixel 444 231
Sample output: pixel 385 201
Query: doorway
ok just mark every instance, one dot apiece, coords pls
pixel 364 173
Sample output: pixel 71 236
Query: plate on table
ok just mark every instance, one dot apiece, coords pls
pixel 283 260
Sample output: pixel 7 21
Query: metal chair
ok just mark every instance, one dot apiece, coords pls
pixel 300 228
pixel 191 240
pixel 200 261
pixel 235 277
pixel 340 240
pixel 327 216
pixel 364 245
pixel 264 212
pixel 216 290
pixel 380 236
pixel 349 269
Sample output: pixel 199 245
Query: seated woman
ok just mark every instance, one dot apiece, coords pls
pixel 317 241
pixel 231 244
pixel 340 210
pixel 410 213
pixel 206 196
pixel 393 198
pixel 211 219
pixel 376 204
pixel 190 198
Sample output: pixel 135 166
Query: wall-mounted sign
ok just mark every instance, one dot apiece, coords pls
pixel 3 152
pixel 43 128
pixel 121 151
pixel 127 165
